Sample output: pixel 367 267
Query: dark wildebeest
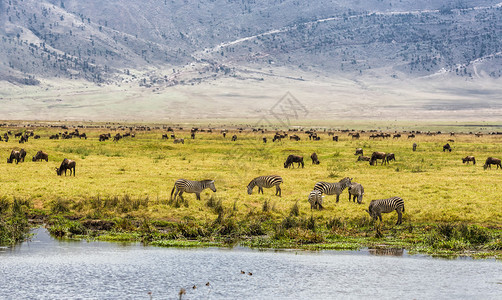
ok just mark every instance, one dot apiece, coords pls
pixel 389 157
pixel 363 158
pixel 192 135
pixel 410 136
pixel 468 159
pixel 415 146
pixel 265 140
pixel 177 141
pixel 41 156
pixel 335 138
pixel 104 137
pixel 377 155
pixel 67 164
pixel 294 137
pixel 293 159
pixel 165 137
pixel 396 136
pixel 16 155
pixel 55 137
pixel 359 151
pixel 234 138
pixel 36 137
pixel 18 134
pixel 315 160
pixel 492 161
pixel 447 147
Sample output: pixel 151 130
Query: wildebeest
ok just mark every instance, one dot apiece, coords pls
pixel 363 158
pixel 492 161
pixel 396 136
pixel 294 137
pixel 24 138
pixel 377 155
pixel 192 135
pixel 410 136
pixel 41 156
pixel 415 146
pixel 293 159
pixel 468 159
pixel 315 160
pixel 117 137
pixel 265 140
pixel 104 137
pixel 359 151
pixel 234 138
pixel 177 141
pixel 389 157
pixel 36 137
pixel 335 138
pixel 67 164
pixel 447 147
pixel 17 155
pixel 56 137
pixel 165 137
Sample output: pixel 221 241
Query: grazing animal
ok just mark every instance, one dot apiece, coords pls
pixel 335 138
pixel 188 186
pixel 192 135
pixel 389 157
pixel 415 146
pixel 234 138
pixel 396 136
pixel 165 137
pixel 356 190
pixel 315 199
pixel 36 137
pixel 294 137
pixel 117 137
pixel 41 156
pixel 17 155
pixel 447 147
pixel 177 141
pixel 266 182
pixel 293 159
pixel 378 207
pixel 103 137
pixel 67 164
pixel 363 158
pixel 468 159
pixel 359 151
pixel 330 188
pixel 492 161
pixel 265 140
pixel 376 156
pixel 410 136
pixel 315 160
pixel 356 136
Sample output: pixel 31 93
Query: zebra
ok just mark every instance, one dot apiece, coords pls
pixel 189 186
pixel 329 188
pixel 315 199
pixel 377 207
pixel 356 190
pixel 266 182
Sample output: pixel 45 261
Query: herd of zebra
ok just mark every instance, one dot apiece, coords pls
pixel 315 198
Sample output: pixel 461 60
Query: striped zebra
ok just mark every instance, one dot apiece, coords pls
pixel 189 186
pixel 265 182
pixel 315 199
pixel 329 188
pixel 356 190
pixel 377 207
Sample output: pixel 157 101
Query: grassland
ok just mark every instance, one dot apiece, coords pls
pixel 121 190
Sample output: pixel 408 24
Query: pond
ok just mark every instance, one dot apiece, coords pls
pixel 46 268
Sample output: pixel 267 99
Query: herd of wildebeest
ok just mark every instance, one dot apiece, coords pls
pixel 315 197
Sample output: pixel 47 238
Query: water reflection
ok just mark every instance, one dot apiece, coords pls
pixel 386 251
pixel 46 268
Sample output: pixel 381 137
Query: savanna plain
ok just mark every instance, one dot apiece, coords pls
pixel 122 189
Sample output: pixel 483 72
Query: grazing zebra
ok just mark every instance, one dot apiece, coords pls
pixel 189 186
pixel 266 182
pixel 377 207
pixel 329 188
pixel 468 159
pixel 315 199
pixel 356 190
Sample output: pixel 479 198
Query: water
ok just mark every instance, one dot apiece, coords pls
pixel 49 269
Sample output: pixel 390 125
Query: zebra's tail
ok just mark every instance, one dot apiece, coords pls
pixel 172 191
pixel 403 207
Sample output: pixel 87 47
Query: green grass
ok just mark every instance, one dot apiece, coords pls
pixel 132 179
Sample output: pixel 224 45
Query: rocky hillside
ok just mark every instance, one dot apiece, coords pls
pixel 167 42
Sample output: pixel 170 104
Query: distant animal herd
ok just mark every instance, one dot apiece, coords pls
pixel 315 197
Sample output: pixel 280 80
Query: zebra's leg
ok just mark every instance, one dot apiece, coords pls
pixel 379 215
pixel 180 195
pixel 278 190
pixel 337 197
pixel 260 189
pixel 399 217
pixel 198 196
